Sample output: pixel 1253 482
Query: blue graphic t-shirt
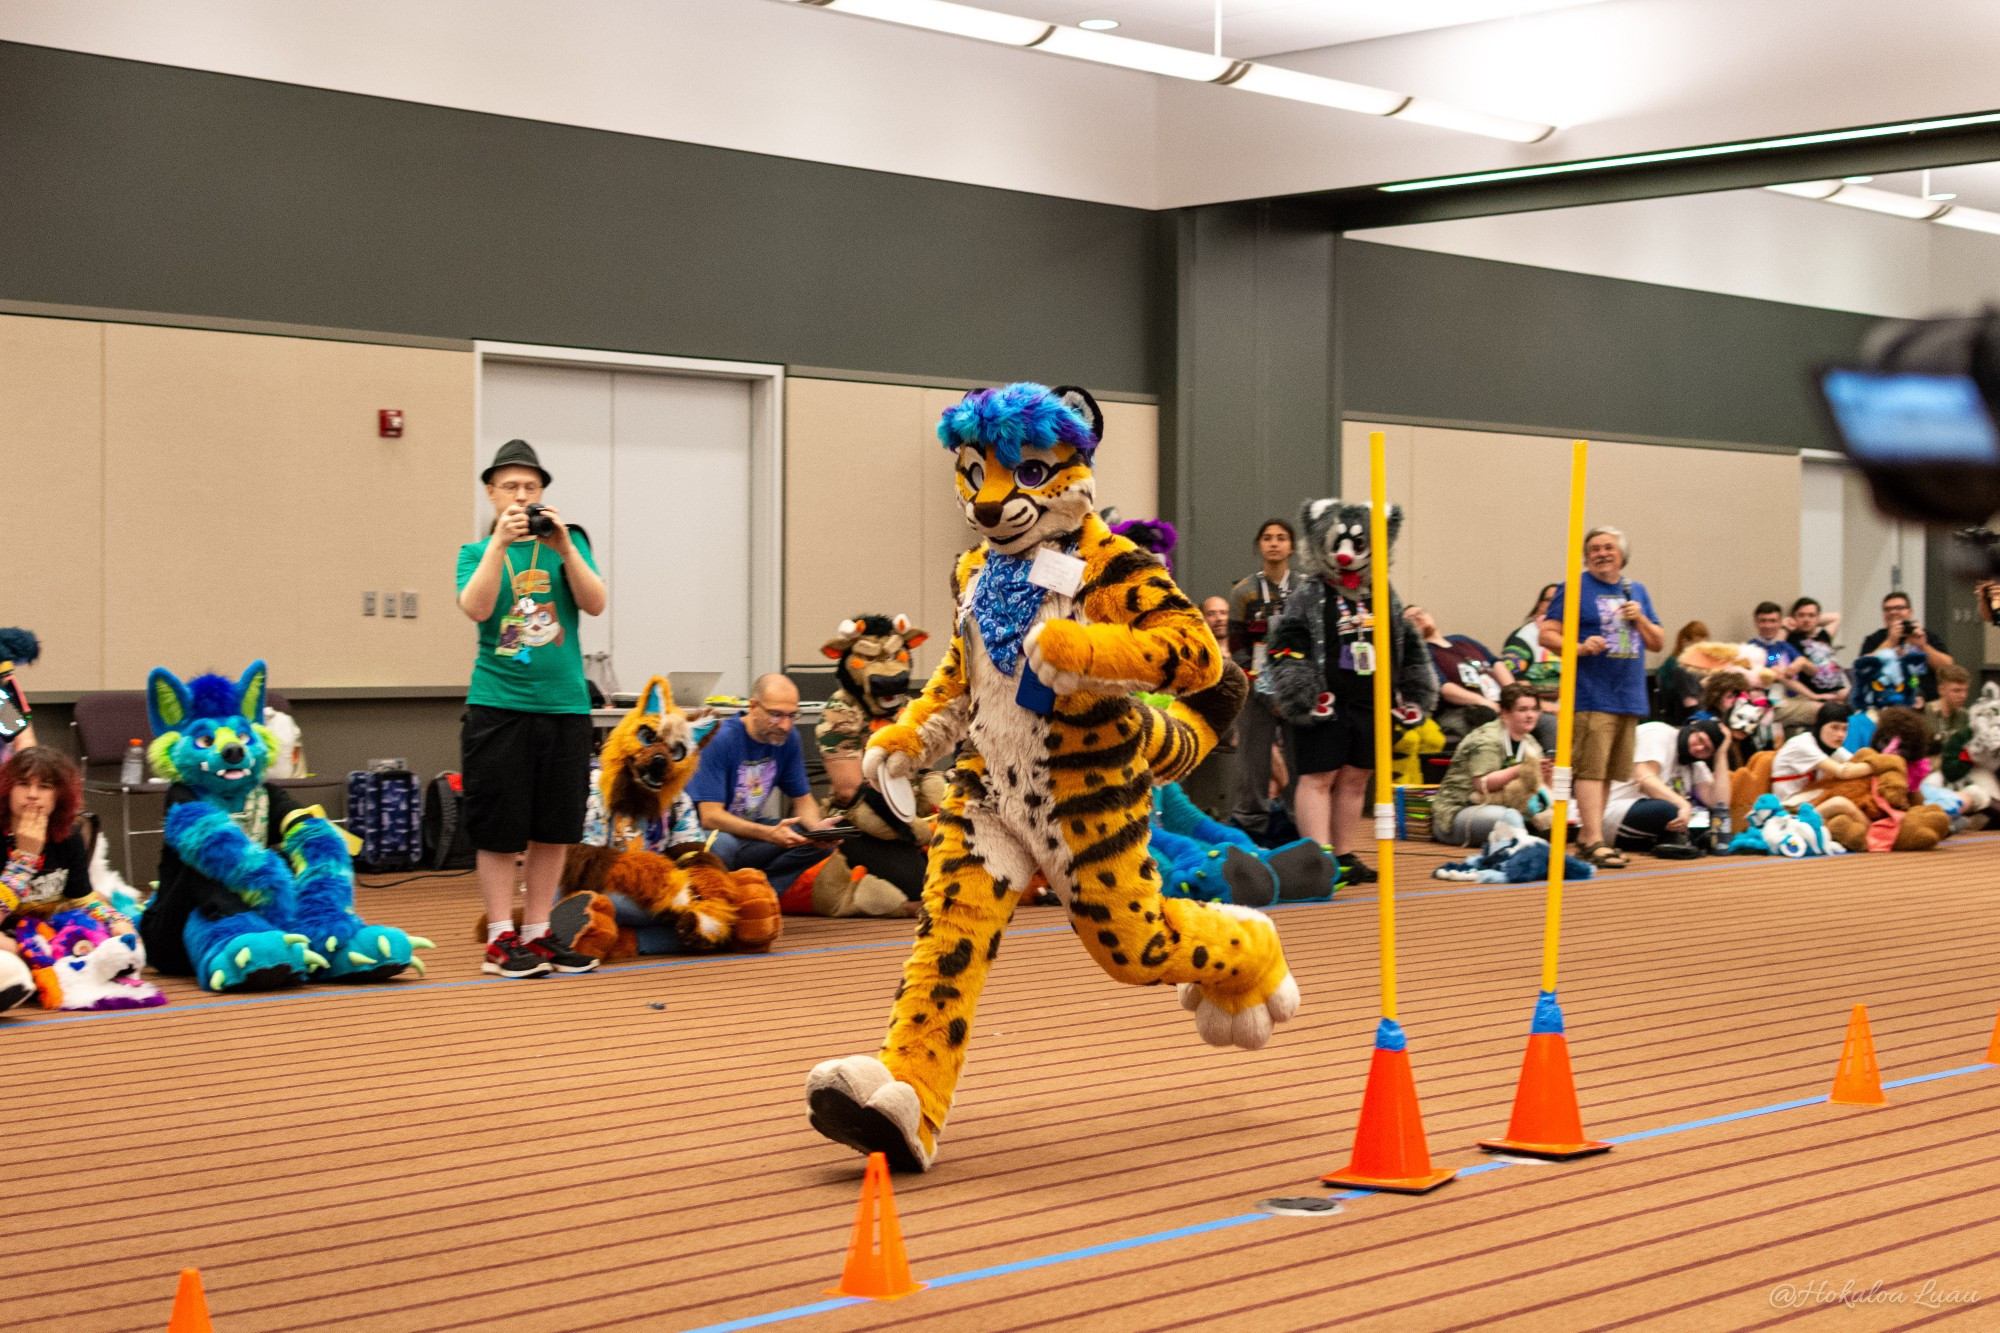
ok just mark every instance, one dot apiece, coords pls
pixel 739 773
pixel 1613 681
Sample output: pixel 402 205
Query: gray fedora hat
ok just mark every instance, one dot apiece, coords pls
pixel 515 453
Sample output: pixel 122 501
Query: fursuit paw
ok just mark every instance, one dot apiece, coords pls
pixel 1249 1028
pixel 896 751
pixel 265 960
pixel 1243 1015
pixel 1062 654
pixel 372 953
pixel 858 1102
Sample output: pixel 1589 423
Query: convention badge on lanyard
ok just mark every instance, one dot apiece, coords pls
pixel 1061 573
pixel 525 583
pixel 1363 654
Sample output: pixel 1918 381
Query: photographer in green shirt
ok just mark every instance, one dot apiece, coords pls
pixel 525 742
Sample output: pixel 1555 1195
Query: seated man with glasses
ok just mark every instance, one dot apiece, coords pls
pixel 748 763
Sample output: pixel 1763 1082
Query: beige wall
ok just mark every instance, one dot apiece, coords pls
pixel 1713 531
pixel 872 520
pixel 208 498
pixel 204 498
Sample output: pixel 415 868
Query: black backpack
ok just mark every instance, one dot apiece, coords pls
pixel 447 843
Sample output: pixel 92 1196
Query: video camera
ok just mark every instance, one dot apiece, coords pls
pixel 1917 417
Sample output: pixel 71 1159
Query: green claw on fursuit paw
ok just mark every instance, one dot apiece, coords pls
pixel 373 953
pixel 266 960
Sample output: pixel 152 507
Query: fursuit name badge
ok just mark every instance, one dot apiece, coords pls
pixel 1062 574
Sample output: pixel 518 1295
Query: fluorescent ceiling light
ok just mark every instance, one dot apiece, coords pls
pixel 1100 47
pixel 1695 154
pixel 1173 61
pixel 1970 219
pixel 1887 202
pixel 1424 111
pixel 1274 81
pixel 943 16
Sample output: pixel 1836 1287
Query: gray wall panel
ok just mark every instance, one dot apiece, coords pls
pixel 1437 336
pixel 1252 404
pixel 146 187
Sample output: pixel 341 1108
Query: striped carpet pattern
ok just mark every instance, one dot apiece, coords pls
pixel 629 1151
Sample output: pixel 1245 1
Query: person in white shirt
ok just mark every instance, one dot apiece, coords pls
pixel 1818 755
pixel 1673 770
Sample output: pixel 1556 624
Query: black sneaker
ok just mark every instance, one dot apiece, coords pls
pixel 560 957
pixel 509 957
pixel 1357 873
pixel 13 995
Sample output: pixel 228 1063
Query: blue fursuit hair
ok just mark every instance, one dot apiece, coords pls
pixel 1012 418
pixel 19 645
pixel 213 696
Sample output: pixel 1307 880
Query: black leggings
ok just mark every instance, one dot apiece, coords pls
pixel 1645 824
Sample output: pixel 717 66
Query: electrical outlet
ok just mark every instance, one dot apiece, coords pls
pixel 409 606
pixel 368 602
pixel 389 605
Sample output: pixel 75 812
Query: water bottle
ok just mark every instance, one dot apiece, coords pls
pixel 1718 829
pixel 133 771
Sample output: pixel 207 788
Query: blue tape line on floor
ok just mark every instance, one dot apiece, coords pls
pixel 1243 1219
pixel 406 988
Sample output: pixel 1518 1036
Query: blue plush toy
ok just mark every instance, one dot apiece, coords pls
pixel 1204 858
pixel 1512 855
pixel 256 892
pixel 1770 829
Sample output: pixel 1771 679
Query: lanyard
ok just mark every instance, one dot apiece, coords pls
pixel 1264 588
pixel 514 579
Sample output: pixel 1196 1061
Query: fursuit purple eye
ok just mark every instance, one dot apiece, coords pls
pixel 1032 472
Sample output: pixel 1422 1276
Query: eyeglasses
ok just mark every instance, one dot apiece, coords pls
pixel 775 715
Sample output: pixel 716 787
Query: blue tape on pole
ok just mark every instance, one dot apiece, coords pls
pixel 1548 1014
pixel 1389 1036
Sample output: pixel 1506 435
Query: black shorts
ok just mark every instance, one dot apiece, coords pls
pixel 1346 740
pixel 527 776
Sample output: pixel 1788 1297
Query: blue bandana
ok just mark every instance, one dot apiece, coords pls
pixel 1004 604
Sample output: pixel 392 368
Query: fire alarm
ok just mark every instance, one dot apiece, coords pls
pixel 389 423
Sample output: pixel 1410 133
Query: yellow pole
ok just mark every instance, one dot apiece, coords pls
pixel 1579 459
pixel 1385 787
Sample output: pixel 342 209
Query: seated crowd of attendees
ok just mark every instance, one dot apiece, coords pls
pixel 1652 753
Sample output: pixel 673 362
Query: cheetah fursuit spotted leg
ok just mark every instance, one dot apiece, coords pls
pixel 896 1101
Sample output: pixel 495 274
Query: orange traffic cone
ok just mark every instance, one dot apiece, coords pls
pixel 1546 1121
pixel 879 1274
pixel 190 1306
pixel 1993 1047
pixel 1858 1080
pixel 1389 1149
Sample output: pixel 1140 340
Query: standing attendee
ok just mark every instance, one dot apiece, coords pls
pixel 1616 628
pixel 745 766
pixel 1469 680
pixel 1904 640
pixel 1215 614
pixel 1538 667
pixel 1811 632
pixel 526 739
pixel 1494 775
pixel 1253 604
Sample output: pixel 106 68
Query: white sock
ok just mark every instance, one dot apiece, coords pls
pixel 534 932
pixel 495 929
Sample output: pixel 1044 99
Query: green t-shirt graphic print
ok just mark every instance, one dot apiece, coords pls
pixel 529 657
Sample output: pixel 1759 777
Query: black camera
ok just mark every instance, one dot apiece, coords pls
pixel 539 522
pixel 1917 417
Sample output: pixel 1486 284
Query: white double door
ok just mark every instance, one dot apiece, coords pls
pixel 656 468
